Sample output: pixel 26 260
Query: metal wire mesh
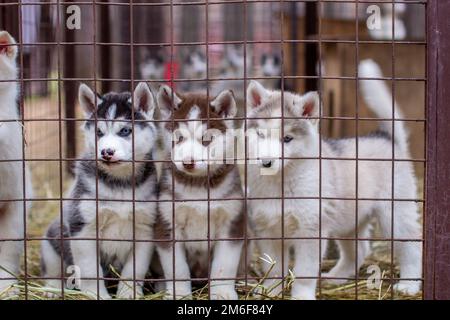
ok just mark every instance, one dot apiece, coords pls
pixel 320 44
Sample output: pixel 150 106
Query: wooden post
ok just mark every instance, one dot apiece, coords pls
pixel 9 18
pixel 437 219
pixel 311 49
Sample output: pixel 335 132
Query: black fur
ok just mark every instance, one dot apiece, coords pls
pixel 124 109
pixel 75 220
pixel 334 143
pixel 380 134
pixel 54 235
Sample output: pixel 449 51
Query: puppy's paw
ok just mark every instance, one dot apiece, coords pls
pixel 103 295
pixel 303 296
pixel 179 296
pixel 224 293
pixel 303 292
pixel 52 295
pixel 334 275
pixel 182 292
pixel 7 289
pixel 408 287
pixel 125 290
pixel 52 289
pixel 7 45
pixel 269 289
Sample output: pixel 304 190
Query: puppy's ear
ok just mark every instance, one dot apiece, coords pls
pixel 7 45
pixel 310 106
pixel 143 99
pixel 263 58
pixel 87 99
pixel 256 94
pixel 225 104
pixel 167 100
pixel 277 59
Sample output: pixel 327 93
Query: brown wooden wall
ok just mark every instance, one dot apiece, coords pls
pixel 339 95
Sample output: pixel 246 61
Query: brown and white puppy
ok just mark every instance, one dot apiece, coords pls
pixel 199 170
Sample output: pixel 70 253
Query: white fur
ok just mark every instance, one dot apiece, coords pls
pixel 192 223
pixel 338 179
pixel 115 222
pixel 11 173
pixel 376 93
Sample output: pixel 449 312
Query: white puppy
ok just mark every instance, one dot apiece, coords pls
pixel 303 179
pixel 11 172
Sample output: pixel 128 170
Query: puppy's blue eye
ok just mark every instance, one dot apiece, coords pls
pixel 287 139
pixel 125 132
pixel 100 133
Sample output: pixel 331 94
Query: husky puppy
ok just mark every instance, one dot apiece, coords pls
pixel 11 173
pixel 184 192
pixel 121 220
pixel 271 67
pixel 300 139
pixel 152 68
pixel 233 66
pixel 194 67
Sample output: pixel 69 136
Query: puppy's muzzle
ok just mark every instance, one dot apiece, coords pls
pixel 107 154
pixel 188 164
pixel 267 163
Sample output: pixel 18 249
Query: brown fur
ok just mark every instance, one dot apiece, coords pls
pixel 215 179
pixel 3 209
pixel 200 100
pixel 237 226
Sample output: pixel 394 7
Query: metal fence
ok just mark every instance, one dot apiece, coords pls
pixel 108 51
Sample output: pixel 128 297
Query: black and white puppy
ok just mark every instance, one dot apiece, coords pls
pixel 194 68
pixel 115 216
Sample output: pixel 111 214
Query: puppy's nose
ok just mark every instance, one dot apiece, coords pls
pixel 267 163
pixel 188 164
pixel 107 154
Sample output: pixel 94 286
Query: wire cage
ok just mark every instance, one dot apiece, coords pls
pixel 195 51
